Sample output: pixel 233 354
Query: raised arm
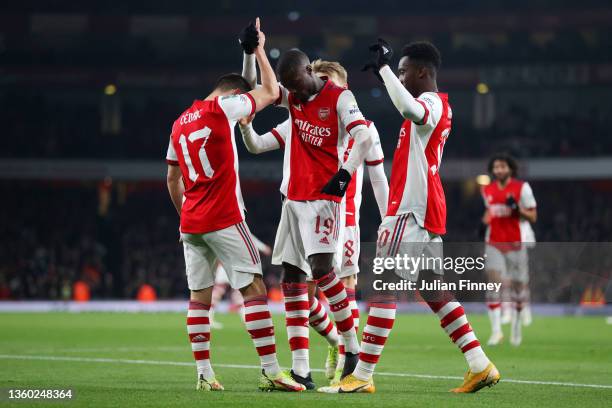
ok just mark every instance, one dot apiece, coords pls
pixel 406 104
pixel 268 92
pixel 249 70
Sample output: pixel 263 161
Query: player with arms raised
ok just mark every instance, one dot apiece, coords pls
pixel 204 187
pixel 416 213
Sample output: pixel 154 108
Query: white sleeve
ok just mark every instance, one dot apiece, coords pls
pixel 249 71
pixel 272 140
pixel 405 103
pixel 171 157
pixel 527 199
pixel 259 244
pixel 375 155
pixel 348 111
pixel 237 106
pixel 283 97
pixel 356 125
pixel 433 109
pixel 380 187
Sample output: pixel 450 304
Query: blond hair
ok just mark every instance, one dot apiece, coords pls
pixel 330 68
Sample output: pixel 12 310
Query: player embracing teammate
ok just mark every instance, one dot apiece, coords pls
pixel 416 214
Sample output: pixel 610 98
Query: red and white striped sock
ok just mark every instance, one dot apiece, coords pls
pixel 198 329
pixel 350 293
pixel 456 325
pixel 338 300
pixel 495 316
pixel 259 324
pixel 379 324
pixel 319 320
pixel 297 309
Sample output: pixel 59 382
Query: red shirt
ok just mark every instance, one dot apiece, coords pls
pixel 202 143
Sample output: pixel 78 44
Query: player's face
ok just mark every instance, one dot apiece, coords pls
pixel 408 75
pixel 501 170
pixel 301 84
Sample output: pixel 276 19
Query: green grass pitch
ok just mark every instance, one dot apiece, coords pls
pixel 88 351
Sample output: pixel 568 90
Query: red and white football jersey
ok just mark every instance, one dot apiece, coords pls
pixel 319 136
pixel 505 225
pixel 202 143
pixel 353 196
pixel 415 185
pixel 353 192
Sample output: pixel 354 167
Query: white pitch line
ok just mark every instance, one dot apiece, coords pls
pixel 242 366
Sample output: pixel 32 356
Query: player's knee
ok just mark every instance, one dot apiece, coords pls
pixel 292 274
pixel 255 288
pixel 321 264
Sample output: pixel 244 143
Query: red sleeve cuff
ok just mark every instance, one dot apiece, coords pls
pixel 172 162
pixel 253 104
pixel 426 116
pixel 356 123
pixel 375 162
pixel 279 138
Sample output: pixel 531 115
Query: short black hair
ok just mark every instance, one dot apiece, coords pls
pixel 233 81
pixel 423 52
pixel 505 157
pixel 290 61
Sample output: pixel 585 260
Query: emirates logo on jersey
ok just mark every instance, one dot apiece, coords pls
pixel 324 113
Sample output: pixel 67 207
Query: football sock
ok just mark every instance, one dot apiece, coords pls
pixel 319 320
pixel 378 326
pixel 297 309
pixel 455 324
pixel 198 329
pixel 336 295
pixel 259 324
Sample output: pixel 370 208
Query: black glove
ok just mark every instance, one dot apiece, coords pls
pixel 511 202
pixel 338 184
pixel 249 38
pixel 384 53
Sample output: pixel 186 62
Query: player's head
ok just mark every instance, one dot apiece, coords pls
pixel 502 166
pixel 295 73
pixel 332 70
pixel 230 84
pixel 418 67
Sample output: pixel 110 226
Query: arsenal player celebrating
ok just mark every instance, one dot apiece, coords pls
pixel 204 187
pixel 322 116
pixel 348 258
pixel 510 208
pixel 416 213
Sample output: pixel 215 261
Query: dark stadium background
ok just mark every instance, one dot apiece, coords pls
pixel 89 90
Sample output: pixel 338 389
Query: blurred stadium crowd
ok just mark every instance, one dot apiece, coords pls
pixel 97 80
pixel 116 244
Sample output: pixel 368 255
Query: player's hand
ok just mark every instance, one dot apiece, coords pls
pixel 246 120
pixel 511 202
pixel 383 54
pixel 261 39
pixel 249 37
pixel 338 184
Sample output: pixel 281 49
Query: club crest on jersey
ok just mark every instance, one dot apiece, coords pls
pixel 324 113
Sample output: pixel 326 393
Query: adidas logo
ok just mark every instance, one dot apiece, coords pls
pixel 348 263
pixel 199 337
pixel 342 184
pixel 324 240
